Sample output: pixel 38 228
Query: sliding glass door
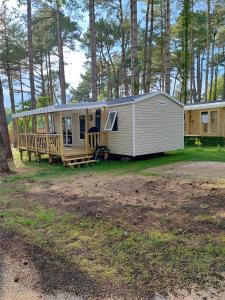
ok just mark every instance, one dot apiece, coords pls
pixel 67 130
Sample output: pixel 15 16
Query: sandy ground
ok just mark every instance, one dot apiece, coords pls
pixel 208 169
pixel 136 201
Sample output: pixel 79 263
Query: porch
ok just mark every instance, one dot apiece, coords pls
pixel 205 122
pixel 58 135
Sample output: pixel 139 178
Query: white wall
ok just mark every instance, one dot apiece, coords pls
pixel 120 142
pixel 159 125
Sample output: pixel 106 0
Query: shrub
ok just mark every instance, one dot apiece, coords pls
pixel 210 141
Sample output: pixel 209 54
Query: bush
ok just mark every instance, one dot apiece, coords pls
pixel 210 141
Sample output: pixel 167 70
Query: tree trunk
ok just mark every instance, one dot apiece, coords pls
pixel 4 167
pixel 21 86
pixel 47 75
pixel 215 84
pixel 191 55
pixel 167 49
pixel 134 62
pixel 146 53
pixel 61 56
pixel 149 56
pixel 123 48
pixel 201 73
pixel 30 54
pixel 224 75
pixel 50 78
pixel 186 13
pixel 12 101
pixel 116 79
pixel 5 149
pixel 43 92
pixel 212 68
pixel 94 77
pixel 162 81
pixel 199 76
pixel 207 50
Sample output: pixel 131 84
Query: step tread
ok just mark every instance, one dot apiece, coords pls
pixel 81 162
pixel 76 158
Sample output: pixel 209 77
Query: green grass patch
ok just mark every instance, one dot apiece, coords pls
pixel 44 170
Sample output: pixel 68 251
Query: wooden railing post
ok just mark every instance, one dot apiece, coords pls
pixel 47 132
pixel 61 145
pixel 86 132
pixel 25 131
pixel 17 132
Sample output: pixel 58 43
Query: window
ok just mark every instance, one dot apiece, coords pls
pixel 98 119
pixel 205 117
pixel 112 121
pixel 214 116
pixel 82 126
pixel 51 121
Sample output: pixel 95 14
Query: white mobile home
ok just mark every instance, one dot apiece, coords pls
pixel 130 126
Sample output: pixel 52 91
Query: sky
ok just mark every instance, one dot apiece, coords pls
pixel 74 62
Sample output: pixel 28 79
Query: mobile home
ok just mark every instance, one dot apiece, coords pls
pixel 205 119
pixel 129 126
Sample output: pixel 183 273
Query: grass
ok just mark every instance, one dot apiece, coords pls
pixel 101 248
pixel 34 170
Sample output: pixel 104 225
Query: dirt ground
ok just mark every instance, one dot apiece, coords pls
pixel 171 201
pixel 207 169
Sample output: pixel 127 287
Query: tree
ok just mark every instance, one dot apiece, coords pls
pixel 186 20
pixel 134 62
pixel 94 77
pixel 61 56
pixel 30 53
pixel 5 150
pixel 12 52
pixel 123 48
pixel 167 49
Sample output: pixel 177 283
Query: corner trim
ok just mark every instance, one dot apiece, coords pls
pixel 133 130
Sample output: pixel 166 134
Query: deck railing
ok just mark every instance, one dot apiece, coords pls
pixel 95 139
pixel 44 143
pixel 204 129
pixel 51 143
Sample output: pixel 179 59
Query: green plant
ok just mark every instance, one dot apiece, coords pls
pixel 198 142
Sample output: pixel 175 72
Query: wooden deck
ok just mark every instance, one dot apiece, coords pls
pixel 53 146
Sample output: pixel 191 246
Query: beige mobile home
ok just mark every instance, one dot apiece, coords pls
pixel 130 126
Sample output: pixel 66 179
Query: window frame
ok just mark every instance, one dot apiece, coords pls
pixel 208 114
pixel 113 122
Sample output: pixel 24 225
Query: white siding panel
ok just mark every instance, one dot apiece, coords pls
pixel 120 142
pixel 159 125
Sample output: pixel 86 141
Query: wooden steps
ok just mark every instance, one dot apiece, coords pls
pixel 78 163
pixel 78 160
pixel 77 157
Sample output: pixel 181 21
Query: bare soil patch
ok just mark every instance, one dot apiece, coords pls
pixel 138 202
pixel 193 205
pixel 201 170
pixel 27 272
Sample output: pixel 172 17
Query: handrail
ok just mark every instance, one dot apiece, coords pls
pixel 40 142
pixel 204 129
pixel 95 139
pixel 51 143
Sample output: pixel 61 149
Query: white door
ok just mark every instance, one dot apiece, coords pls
pixel 67 130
